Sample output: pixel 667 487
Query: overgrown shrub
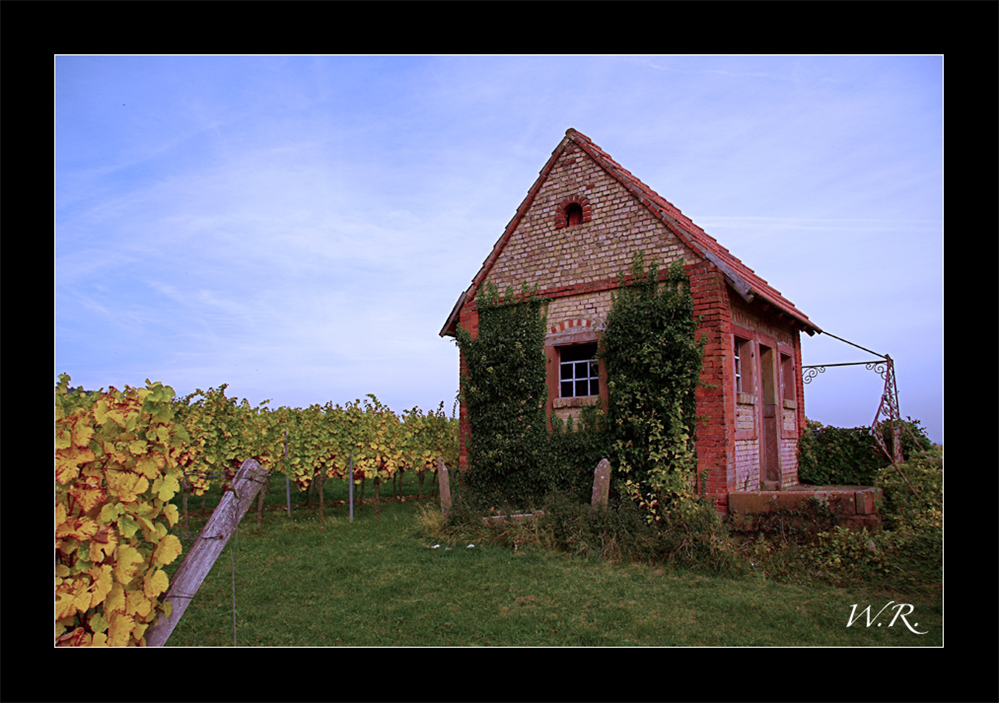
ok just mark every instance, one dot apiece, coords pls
pixel 851 456
pixel 914 492
pixel 691 536
pixel 617 532
pixel 906 552
pixel 913 510
pixel 653 370
pixel 574 450
pixel 505 394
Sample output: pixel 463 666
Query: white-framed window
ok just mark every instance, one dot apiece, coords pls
pixel 579 375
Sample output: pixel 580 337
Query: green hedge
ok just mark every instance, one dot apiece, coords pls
pixel 851 456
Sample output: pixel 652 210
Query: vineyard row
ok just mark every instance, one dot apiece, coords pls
pixel 122 457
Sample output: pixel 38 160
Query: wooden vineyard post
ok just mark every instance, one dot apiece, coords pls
pixel 444 482
pixel 260 505
pixel 350 486
pixel 207 547
pixel 287 481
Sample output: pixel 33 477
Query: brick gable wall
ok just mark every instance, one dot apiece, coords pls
pixel 543 251
pixel 577 267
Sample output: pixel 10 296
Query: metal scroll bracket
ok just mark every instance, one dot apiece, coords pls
pixel 887 409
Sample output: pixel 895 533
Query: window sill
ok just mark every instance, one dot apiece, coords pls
pixel 745 398
pixel 576 402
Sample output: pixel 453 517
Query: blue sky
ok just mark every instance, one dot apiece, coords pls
pixel 299 227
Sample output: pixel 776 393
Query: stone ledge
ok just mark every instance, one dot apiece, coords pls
pixel 856 506
pixel 575 402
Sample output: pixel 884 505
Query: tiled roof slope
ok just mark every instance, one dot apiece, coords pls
pixel 740 277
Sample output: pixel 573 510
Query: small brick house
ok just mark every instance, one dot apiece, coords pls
pixel 579 226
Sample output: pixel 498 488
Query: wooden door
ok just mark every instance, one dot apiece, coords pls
pixel 769 438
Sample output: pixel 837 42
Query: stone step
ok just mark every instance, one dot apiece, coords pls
pixel 855 505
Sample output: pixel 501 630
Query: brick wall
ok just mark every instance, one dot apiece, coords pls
pixel 747 464
pixel 541 251
pixel 715 396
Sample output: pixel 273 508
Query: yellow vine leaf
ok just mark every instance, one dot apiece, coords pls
pixel 171 513
pixel 68 462
pixel 148 465
pixel 167 550
pixel 82 434
pixel 117 416
pixel 88 494
pixel 126 486
pixel 136 603
pixel 127 526
pixel 110 512
pixel 166 487
pixel 138 631
pixel 81 528
pixel 100 411
pixel 63 624
pixel 115 456
pixel 71 639
pixel 82 597
pixel 64 438
pixel 65 603
pixel 115 601
pixel 146 524
pixel 103 581
pixel 119 629
pixel 163 434
pixel 103 543
pixel 155 583
pixel 127 567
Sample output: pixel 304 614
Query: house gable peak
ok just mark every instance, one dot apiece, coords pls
pixel 739 277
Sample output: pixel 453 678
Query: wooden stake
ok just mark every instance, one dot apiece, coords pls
pixel 207 548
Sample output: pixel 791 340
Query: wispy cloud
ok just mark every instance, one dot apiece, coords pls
pixel 300 227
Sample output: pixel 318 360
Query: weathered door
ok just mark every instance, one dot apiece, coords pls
pixel 769 454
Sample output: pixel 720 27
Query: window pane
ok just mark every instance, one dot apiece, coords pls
pixel 566 372
pixel 566 389
pixel 581 387
pixel 594 386
pixel 578 352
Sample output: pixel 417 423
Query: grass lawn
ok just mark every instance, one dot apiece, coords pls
pixel 381 581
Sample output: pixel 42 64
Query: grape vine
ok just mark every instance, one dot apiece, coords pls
pixel 116 471
pixel 122 456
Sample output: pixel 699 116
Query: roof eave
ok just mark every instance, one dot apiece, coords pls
pixel 450 327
